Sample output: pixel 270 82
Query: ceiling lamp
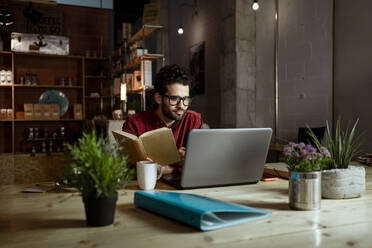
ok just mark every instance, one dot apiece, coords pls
pixel 255 5
pixel 180 30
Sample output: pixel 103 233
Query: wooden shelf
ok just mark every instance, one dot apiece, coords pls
pixel 146 30
pixel 5 53
pixel 95 58
pixel 96 97
pixel 47 86
pixel 137 62
pixel 38 154
pixel 139 90
pixel 48 55
pixel 82 70
pixel 46 139
pixel 6 154
pixel 95 76
pixel 46 120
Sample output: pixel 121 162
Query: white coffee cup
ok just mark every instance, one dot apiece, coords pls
pixel 147 174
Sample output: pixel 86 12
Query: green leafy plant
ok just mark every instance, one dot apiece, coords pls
pixel 97 170
pixel 343 146
pixel 305 158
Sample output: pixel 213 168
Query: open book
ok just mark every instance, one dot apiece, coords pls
pixel 198 211
pixel 158 144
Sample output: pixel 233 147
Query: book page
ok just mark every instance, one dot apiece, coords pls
pixel 133 147
pixel 160 146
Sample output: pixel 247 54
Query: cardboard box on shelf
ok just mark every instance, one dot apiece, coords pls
pixel 55 111
pixel 45 112
pixel 37 112
pixel 2 114
pixel 20 115
pixel 78 112
pixel 146 69
pixel 151 13
pixel 28 109
pixel 126 30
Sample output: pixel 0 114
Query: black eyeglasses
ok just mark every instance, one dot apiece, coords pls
pixel 174 100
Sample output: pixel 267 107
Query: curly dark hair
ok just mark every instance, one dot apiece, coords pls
pixel 171 74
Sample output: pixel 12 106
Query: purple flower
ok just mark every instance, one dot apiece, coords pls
pixel 303 153
pixel 319 155
pixel 327 154
pixel 301 145
pixel 310 149
pixel 307 147
pixel 323 149
pixel 288 153
pixel 292 144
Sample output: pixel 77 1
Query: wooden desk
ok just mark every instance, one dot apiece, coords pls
pixel 57 220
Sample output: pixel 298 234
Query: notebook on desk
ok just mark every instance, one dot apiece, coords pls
pixel 220 157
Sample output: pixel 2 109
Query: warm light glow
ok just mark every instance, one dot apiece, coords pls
pixel 123 92
pixel 255 5
pixel 180 30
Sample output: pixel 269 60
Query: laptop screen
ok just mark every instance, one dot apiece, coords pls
pixel 217 157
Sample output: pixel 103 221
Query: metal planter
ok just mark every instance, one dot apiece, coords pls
pixel 305 190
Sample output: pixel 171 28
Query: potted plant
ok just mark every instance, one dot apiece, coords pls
pixel 340 180
pixel 97 171
pixel 304 166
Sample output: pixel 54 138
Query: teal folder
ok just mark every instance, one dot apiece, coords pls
pixel 198 211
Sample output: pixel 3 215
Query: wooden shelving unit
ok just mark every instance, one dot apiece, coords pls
pixel 145 31
pixel 49 69
pixel 97 81
pixel 94 76
pixel 59 120
pixel 47 86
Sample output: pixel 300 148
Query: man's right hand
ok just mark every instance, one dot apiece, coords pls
pixel 182 152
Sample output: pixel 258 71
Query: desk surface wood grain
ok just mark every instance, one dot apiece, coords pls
pixel 58 220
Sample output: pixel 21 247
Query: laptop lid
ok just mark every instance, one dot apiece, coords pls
pixel 216 157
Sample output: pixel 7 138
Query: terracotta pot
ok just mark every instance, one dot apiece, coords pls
pixel 343 183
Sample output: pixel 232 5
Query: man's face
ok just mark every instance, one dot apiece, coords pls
pixel 177 111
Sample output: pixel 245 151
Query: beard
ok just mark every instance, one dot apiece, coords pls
pixel 171 114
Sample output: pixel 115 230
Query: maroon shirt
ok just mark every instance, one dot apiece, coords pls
pixel 149 120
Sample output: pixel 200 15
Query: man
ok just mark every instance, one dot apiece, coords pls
pixel 172 100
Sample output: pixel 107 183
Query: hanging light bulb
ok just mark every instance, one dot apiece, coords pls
pixel 180 30
pixel 255 5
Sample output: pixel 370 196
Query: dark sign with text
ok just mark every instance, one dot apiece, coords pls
pixel 49 24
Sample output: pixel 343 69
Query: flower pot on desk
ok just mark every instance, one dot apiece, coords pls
pixel 343 183
pixel 99 211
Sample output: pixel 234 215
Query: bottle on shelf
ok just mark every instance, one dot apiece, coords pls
pixel 43 149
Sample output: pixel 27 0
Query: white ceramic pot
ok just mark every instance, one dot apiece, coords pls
pixel 343 183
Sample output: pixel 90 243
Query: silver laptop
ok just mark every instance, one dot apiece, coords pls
pixel 219 157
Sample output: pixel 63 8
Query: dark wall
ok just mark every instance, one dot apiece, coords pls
pixel 203 27
pixel 84 26
pixel 352 65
